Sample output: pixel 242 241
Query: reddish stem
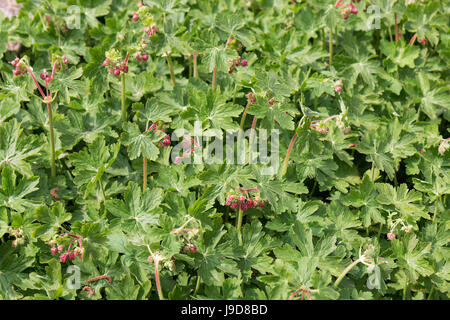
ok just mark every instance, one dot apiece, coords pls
pixel 413 39
pixel 35 81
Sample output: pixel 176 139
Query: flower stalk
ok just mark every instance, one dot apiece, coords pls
pixel 47 99
pixel 195 65
pixel 214 77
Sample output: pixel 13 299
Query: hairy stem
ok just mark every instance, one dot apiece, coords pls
pixel 288 154
pixel 239 220
pixel 197 285
pixel 144 166
pixel 214 77
pixel 172 75
pixel 124 109
pixel 158 284
pixel 144 173
pixel 195 65
pixel 52 139
pixel 244 114
pixel 330 44
pixel 396 27
pixel 346 270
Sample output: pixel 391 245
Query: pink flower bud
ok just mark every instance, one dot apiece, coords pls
pixel 423 40
pixel 390 236
pixel 54 251
pixel 60 248
pixel 243 62
pixel 63 257
pixel 116 72
pixel 150 259
pixel 145 57
pixel 234 205
pixel 106 62
pixel 354 10
pixel 72 256
pixel 193 248
pixel 338 88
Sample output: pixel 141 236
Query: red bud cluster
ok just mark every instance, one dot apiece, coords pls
pixel 251 97
pixel 241 198
pixel 75 249
pixel 236 63
pixel 20 68
pixel 116 68
pixel 347 9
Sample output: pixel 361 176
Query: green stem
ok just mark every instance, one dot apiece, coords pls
pixel 214 77
pixel 124 109
pixel 390 33
pixel 52 139
pixel 144 168
pixel 172 75
pixel 379 231
pixel 195 65
pixel 244 114
pixel 314 187
pixel 144 174
pixel 346 270
pixel 330 44
pixel 373 171
pixel 396 27
pixel 239 220
pixel 286 160
pixel 197 285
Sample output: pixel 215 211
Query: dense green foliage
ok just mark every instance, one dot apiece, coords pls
pixel 366 181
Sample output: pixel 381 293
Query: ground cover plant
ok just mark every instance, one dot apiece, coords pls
pixel 101 198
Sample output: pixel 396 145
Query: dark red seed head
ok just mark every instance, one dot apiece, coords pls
pixel 243 62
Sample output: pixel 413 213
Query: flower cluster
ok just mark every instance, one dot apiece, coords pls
pixel 236 63
pixel 347 9
pixel 74 250
pixel 20 67
pixel 18 234
pixel 114 62
pixel 251 97
pixel 394 223
pixel 187 235
pixel 156 127
pixel 241 198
